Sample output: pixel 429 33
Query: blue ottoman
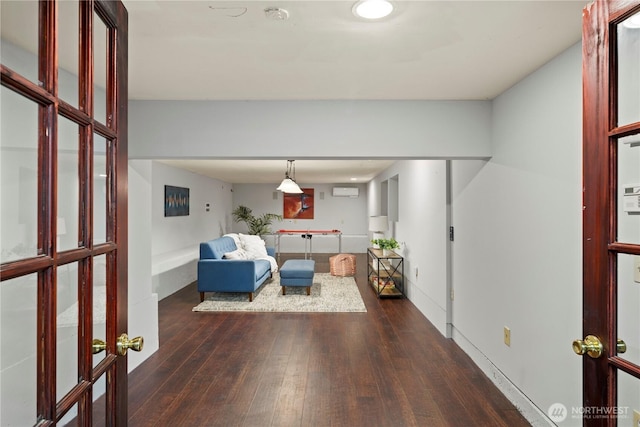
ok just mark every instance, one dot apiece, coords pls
pixel 297 272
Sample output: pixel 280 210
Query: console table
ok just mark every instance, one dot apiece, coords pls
pixel 385 273
pixel 307 235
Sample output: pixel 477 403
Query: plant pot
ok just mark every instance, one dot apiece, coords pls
pixel 387 252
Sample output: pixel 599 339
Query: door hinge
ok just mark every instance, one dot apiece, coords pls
pixel 451 233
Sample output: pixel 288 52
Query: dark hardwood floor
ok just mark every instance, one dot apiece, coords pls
pixel 386 367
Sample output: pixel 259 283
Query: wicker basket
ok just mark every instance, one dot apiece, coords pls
pixel 342 265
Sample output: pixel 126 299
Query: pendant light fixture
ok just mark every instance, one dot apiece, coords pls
pixel 288 184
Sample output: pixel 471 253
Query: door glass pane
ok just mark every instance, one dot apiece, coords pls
pixel 628 399
pixel 99 189
pixel 19 37
pixel 68 185
pixel 629 306
pixel 99 69
pixel 99 303
pixel 67 326
pixel 18 176
pixel 629 189
pixel 68 46
pixel 18 337
pixel 629 70
pixel 99 401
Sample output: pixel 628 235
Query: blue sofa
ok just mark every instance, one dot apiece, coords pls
pixel 217 274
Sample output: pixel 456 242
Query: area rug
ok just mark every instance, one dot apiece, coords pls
pixel 328 294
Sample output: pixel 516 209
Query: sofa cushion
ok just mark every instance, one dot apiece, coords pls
pixel 298 269
pixel 215 249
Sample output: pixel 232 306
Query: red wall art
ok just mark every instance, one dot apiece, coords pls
pixel 298 206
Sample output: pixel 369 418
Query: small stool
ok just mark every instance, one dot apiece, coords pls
pixel 342 265
pixel 297 272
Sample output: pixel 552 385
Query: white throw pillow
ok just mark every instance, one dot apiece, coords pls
pixel 254 246
pixel 237 254
pixel 235 238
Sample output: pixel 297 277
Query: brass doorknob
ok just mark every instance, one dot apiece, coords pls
pixel 621 346
pixel 124 343
pixel 98 346
pixel 591 345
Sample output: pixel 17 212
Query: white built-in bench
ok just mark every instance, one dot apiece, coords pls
pixel 172 271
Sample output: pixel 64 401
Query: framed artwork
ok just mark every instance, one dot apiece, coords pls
pixel 298 206
pixel 176 201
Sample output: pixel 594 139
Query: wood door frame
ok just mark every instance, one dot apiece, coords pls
pixel 118 102
pixel 600 250
pixel 45 263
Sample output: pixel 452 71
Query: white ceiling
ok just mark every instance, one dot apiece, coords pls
pixel 425 50
pixel 273 171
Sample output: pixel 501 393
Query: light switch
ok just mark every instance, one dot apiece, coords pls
pixel 636 269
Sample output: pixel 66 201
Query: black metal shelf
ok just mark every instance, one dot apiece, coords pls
pixel 385 273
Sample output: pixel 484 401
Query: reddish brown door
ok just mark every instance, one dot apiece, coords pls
pixel 611 134
pixel 63 195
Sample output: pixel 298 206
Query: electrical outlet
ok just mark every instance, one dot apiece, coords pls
pixel 636 418
pixel 507 336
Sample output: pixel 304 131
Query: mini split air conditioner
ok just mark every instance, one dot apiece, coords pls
pixel 346 192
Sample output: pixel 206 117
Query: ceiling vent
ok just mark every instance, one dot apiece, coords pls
pixel 346 192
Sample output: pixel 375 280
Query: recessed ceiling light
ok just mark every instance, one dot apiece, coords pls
pixel 372 9
pixel 354 179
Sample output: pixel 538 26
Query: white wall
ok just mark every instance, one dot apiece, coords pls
pixel 143 301
pixel 349 215
pixel 517 256
pixel 299 129
pixel 176 240
pixel 171 233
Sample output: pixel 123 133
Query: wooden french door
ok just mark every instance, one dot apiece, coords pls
pixel 611 238
pixel 63 198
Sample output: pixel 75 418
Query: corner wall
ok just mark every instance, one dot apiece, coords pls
pixel 421 230
pixel 517 255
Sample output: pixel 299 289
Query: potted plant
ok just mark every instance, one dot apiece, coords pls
pixel 258 225
pixel 387 245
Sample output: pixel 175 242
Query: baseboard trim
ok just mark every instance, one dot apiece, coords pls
pixel 527 408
